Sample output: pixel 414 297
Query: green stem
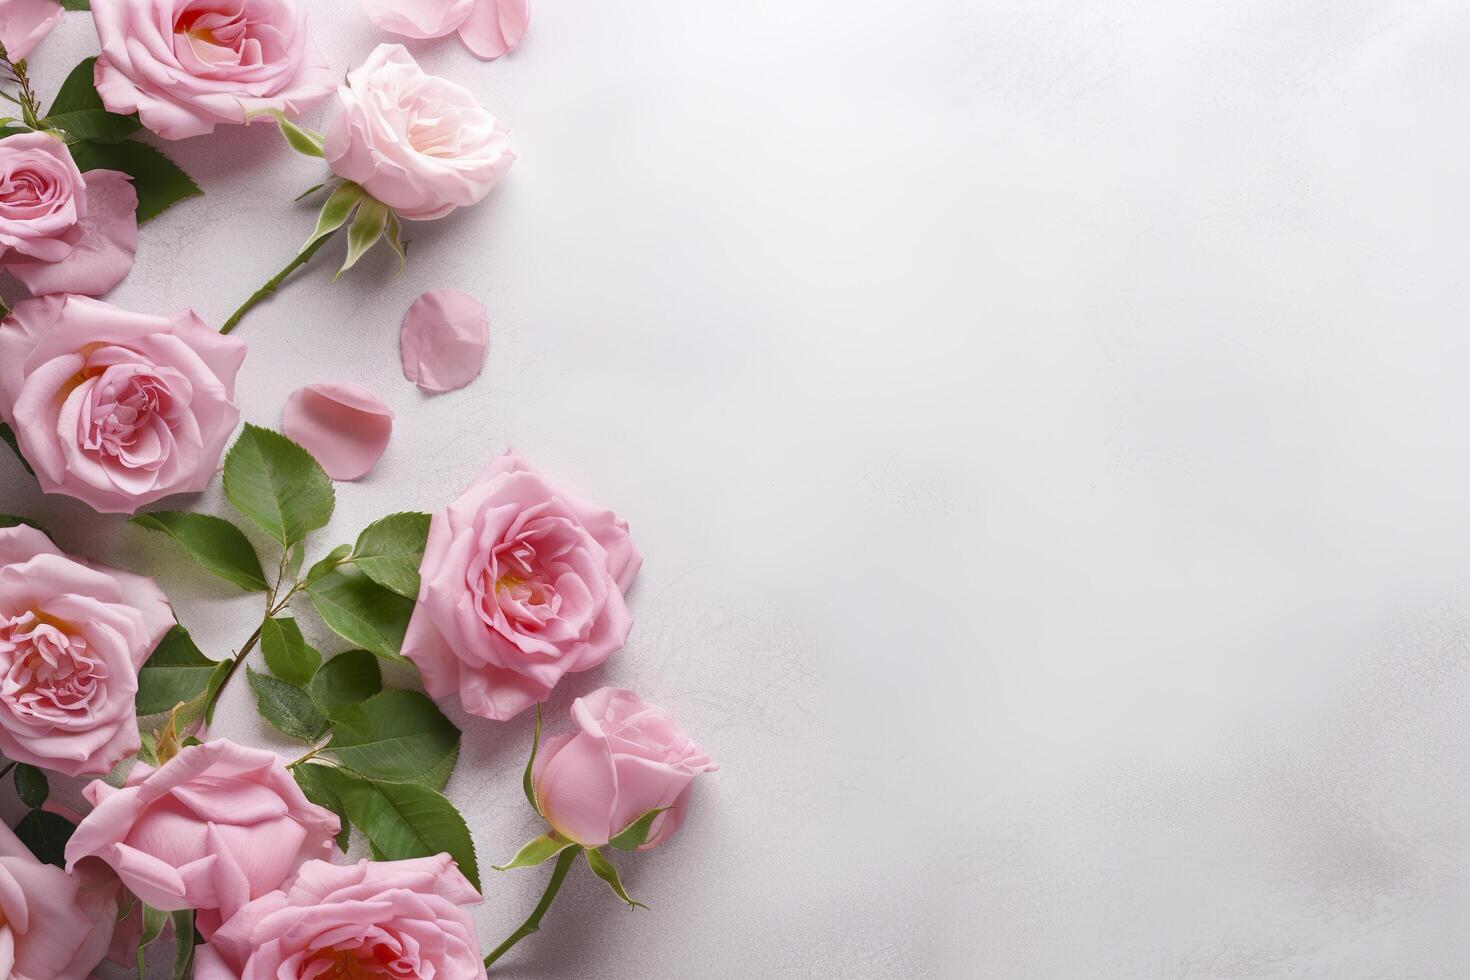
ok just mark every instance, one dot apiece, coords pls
pixel 563 865
pixel 275 282
pixel 272 609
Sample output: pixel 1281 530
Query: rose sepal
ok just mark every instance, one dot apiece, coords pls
pixel 635 835
pixel 537 851
pixel 604 869
pixel 305 141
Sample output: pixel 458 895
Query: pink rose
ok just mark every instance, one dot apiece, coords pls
pixel 214 828
pixel 23 23
pixel 418 143
pixel 116 409
pixel 628 758
pixel 489 27
pixel 53 925
pixel 372 919
pixel 186 66
pixel 62 231
pixel 72 637
pixel 521 584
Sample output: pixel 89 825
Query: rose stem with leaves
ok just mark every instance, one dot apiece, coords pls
pixel 30 106
pixel 564 863
pixel 273 607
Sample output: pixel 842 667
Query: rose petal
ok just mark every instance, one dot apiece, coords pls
pixel 23 23
pixel 346 427
pixel 443 340
pixel 417 18
pixel 494 27
pixel 104 255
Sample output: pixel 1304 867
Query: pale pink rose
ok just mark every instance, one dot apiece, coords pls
pixel 627 758
pixel 23 23
pixel 53 925
pixel 186 66
pixel 371 919
pixel 419 143
pixel 62 231
pixel 117 409
pixel 489 27
pixel 521 583
pixel 72 637
pixel 215 827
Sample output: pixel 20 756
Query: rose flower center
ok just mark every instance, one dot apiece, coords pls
pixel 365 962
pixel 511 583
pixel 217 34
pixel 26 193
pixel 46 672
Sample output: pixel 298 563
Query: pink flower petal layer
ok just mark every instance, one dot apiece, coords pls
pixel 417 18
pixel 23 23
pixel 494 27
pixel 346 427
pixel 443 340
pixel 104 255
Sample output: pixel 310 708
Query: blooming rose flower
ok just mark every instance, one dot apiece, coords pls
pixel 372 919
pixel 23 23
pixel 62 230
pixel 420 144
pixel 629 757
pixel 521 583
pixel 72 637
pixel 489 27
pixel 53 925
pixel 216 826
pixel 116 409
pixel 186 66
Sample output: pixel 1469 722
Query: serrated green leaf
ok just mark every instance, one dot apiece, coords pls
pixel 286 651
pixel 299 138
pixel 316 782
pixel 369 225
pixel 79 112
pixel 348 679
pixel 159 181
pixel 406 820
pixel 45 834
pixel 213 542
pixel 31 786
pixel 390 550
pixel 278 485
pixel 79 90
pixel 7 436
pixel 288 708
pixel 526 782
pixel 400 736
pixel 603 868
pixel 361 611
pixel 335 212
pixel 176 672
pixel 635 835
pixel 153 922
pixel 334 558
pixel 538 851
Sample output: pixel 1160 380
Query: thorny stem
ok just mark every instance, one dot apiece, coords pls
pixel 30 106
pixel 275 282
pixel 273 606
pixel 563 865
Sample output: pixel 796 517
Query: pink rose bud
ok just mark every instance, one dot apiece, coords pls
pixel 72 637
pixel 521 584
pixel 215 827
pixel 117 409
pixel 53 925
pixel 23 23
pixel 186 66
pixel 418 143
pixel 628 757
pixel 371 919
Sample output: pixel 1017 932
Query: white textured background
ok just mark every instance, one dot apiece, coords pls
pixel 1047 429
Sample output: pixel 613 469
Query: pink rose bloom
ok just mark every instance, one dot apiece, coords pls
pixel 214 828
pixel 23 23
pixel 418 143
pixel 629 757
pixel 372 919
pixel 117 409
pixel 62 231
pixel 53 925
pixel 72 637
pixel 489 27
pixel 521 583
pixel 186 66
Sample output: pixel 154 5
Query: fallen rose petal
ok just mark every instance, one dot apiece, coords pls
pixel 494 27
pixel 417 18
pixel 443 340
pixel 104 254
pixel 345 426
pixel 23 23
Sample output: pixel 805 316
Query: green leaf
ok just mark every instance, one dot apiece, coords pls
pixel 207 700
pixel 45 834
pixel 286 651
pixel 148 749
pixel 287 707
pixel 7 436
pixel 335 212
pixel 183 923
pixel 369 225
pixel 153 922
pixel 78 91
pixel 10 520
pixel 278 485
pixel 159 181
pixel 400 736
pixel 542 849
pixel 79 112
pixel 31 786
pixel 395 240
pixel 603 868
pixel 635 835
pixel 334 558
pixel 406 820
pixel 347 680
pixel 526 783
pixel 214 543
pixel 389 552
pixel 361 611
pixel 75 5
pixel 316 782
pixel 299 138
pixel 310 191
pixel 176 672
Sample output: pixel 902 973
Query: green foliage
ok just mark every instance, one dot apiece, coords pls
pixel 287 707
pixel 527 783
pixel 278 485
pixel 31 786
pixel 75 5
pixel 389 551
pixel 635 835
pixel 78 111
pixel 176 672
pixel 369 225
pixel 603 868
pixel 299 138
pixel 10 520
pixel 159 181
pixel 184 937
pixel 316 781
pixel 400 736
pixel 214 543
pixel 348 679
pixel 153 922
pixel 45 834
pixel 540 850
pixel 406 820
pixel 286 651
pixel 361 611
pixel 334 214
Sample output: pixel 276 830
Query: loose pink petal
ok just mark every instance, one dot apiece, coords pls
pixel 23 23
pixel 495 27
pixel 104 254
pixel 345 426
pixel 443 340
pixel 417 18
